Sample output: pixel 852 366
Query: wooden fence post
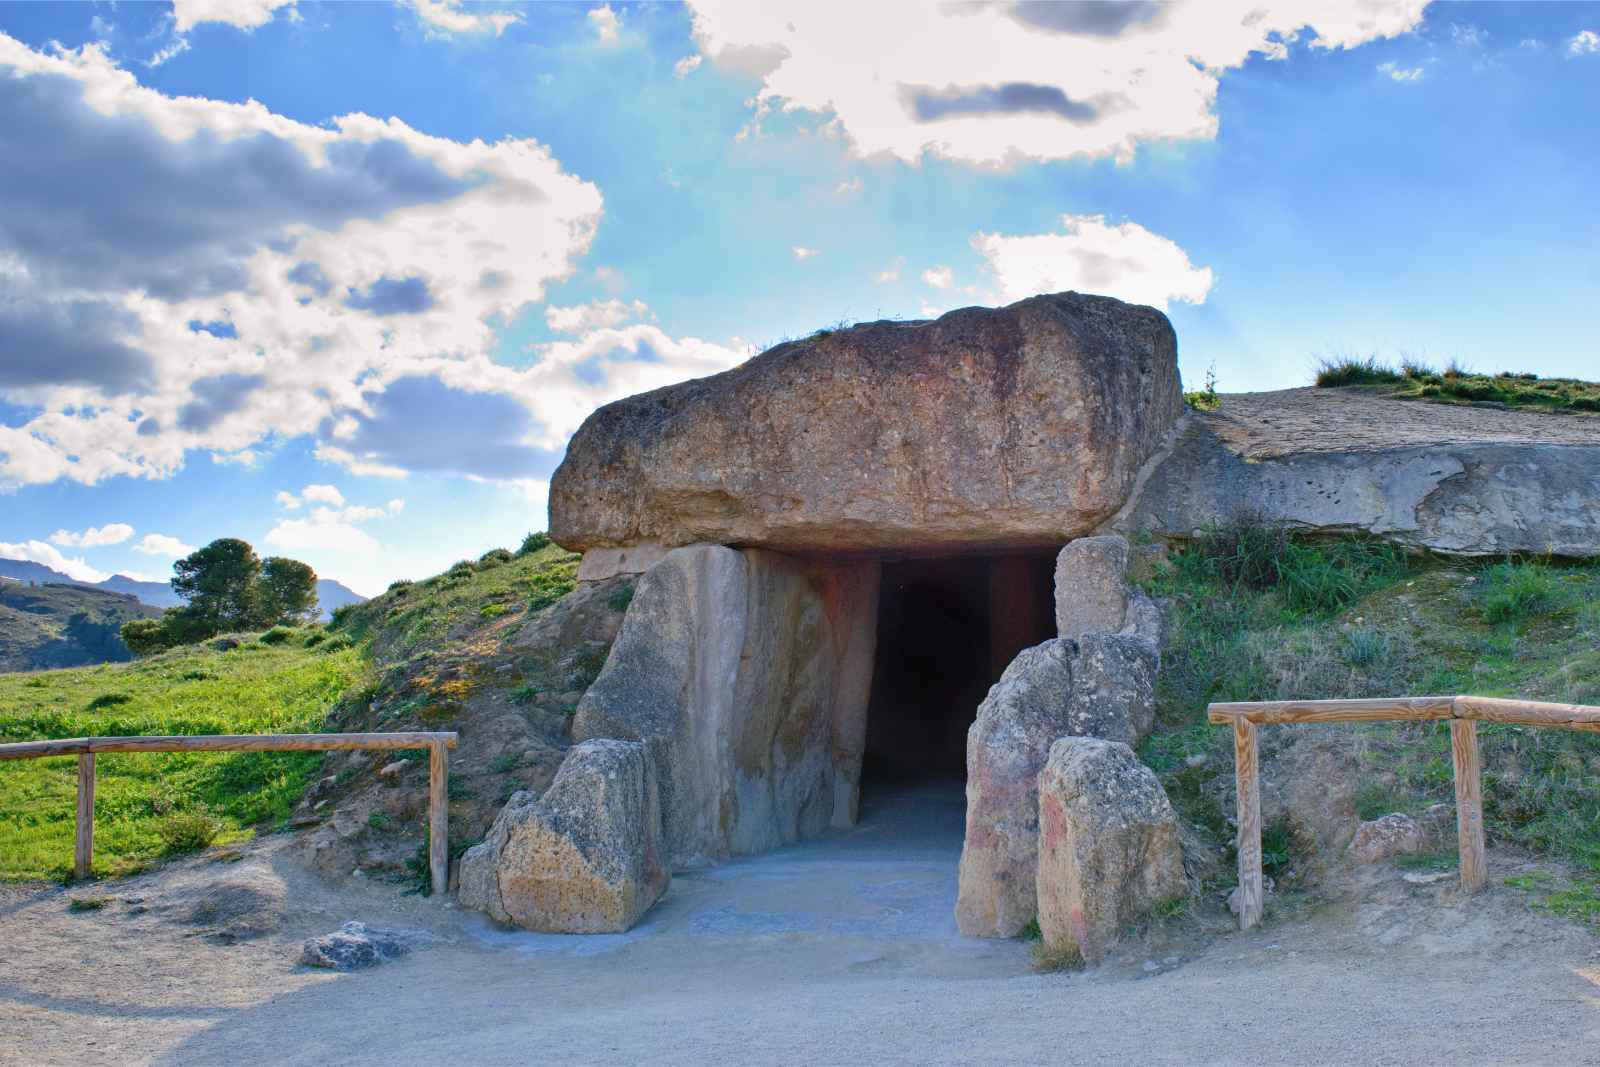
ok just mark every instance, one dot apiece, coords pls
pixel 439 817
pixel 1469 802
pixel 83 842
pixel 1247 780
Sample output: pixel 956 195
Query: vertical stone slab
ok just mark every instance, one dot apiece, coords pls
pixel 850 601
pixel 1092 586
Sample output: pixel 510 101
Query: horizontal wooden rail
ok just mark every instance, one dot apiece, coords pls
pixel 1462 712
pixel 438 745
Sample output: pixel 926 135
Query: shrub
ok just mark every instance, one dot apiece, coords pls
pixel 144 637
pixel 399 586
pixel 1513 592
pixel 1349 370
pixel 277 635
pixel 342 616
pixel 337 643
pixel 493 611
pixel 524 694
pixel 1205 399
pixel 494 557
pixel 188 831
pixel 1244 550
pixel 315 638
pixel 1366 647
pixel 533 543
pixel 461 569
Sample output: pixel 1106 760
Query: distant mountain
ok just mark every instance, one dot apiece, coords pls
pixel 45 626
pixel 330 594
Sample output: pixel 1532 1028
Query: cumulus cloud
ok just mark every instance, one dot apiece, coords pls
pixel 242 14
pixel 323 494
pixel 939 277
pixel 112 533
pixel 162 545
pixel 1126 261
pixel 686 66
pixel 181 273
pixel 442 18
pixel 802 253
pixel 1050 80
pixel 330 537
pixel 593 316
pixel 1586 43
pixel 605 22
pixel 74 567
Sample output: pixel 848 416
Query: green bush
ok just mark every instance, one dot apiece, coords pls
pixel 277 635
pixel 337 643
pixel 188 831
pixel 315 638
pixel 399 586
pixel 533 543
pixel 1350 370
pixel 144 637
pixel 494 557
pixel 1514 592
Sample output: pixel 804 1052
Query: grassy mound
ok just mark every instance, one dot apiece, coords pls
pixel 1258 614
pixel 1454 385
pixel 148 804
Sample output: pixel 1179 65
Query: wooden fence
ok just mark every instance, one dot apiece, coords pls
pixel 1462 712
pixel 86 748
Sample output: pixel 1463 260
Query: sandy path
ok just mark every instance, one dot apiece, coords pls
pixel 838 951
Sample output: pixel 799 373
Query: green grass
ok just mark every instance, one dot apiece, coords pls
pixel 1379 624
pixel 253 688
pixel 1455 385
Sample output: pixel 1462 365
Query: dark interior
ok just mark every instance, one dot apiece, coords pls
pixel 947 627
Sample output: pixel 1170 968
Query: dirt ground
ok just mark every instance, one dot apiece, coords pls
pixel 842 950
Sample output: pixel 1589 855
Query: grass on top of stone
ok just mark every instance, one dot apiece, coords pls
pixel 1519 628
pixel 1454 384
pixel 149 804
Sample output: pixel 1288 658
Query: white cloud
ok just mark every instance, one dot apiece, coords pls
pixel 892 274
pixel 242 14
pixel 593 316
pixel 848 187
pixel 1468 36
pixel 1400 74
pixel 288 500
pixel 310 535
pixel 441 18
pixel 112 533
pixel 171 51
pixel 162 545
pixel 605 23
pixel 323 494
pixel 939 277
pixel 1586 43
pixel 381 255
pixel 74 567
pixel 686 66
pixel 395 506
pixel 803 253
pixel 247 457
pixel 1050 81
pixel 1126 261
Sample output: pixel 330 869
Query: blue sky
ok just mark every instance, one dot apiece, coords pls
pixel 396 253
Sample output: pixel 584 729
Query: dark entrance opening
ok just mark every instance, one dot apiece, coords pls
pixel 947 628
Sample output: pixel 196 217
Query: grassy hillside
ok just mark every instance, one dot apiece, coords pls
pixel 1260 616
pixel 63 625
pixel 1412 380
pixel 408 659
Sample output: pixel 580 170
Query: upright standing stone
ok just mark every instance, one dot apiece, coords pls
pixel 1108 845
pixel 1092 586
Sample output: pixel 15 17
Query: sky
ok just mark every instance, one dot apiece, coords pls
pixel 342 279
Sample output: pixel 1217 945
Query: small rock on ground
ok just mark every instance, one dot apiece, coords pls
pixel 355 945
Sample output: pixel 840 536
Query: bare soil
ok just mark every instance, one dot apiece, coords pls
pixel 841 950
pixel 1295 421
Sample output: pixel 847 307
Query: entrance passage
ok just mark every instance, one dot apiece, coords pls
pixel 947 628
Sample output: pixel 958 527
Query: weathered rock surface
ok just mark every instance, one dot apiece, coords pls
pixel 1108 845
pixel 1017 426
pixel 355 946
pixel 1102 685
pixel 1387 836
pixel 1092 586
pixel 1454 479
pixel 747 674
pixel 585 858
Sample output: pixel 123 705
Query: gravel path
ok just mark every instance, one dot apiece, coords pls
pixel 1263 425
pixel 837 951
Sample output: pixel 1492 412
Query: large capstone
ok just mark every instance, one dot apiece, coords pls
pixel 747 675
pixel 1021 426
pixel 585 858
pixel 1108 845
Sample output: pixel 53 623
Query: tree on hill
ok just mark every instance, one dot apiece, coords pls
pixel 286 592
pixel 227 588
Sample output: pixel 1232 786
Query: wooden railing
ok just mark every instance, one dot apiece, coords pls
pixel 86 748
pixel 1462 712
